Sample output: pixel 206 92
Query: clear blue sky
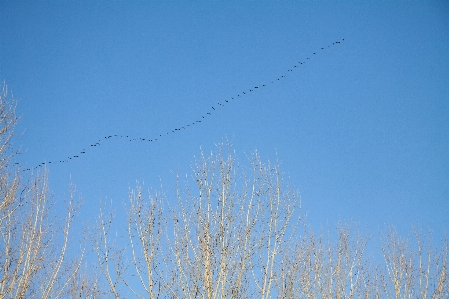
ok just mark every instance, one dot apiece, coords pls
pixel 362 128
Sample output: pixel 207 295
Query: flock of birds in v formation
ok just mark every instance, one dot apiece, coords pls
pixel 214 108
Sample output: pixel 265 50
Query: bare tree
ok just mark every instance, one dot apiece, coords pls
pixel 145 226
pixel 232 232
pixel 318 268
pixel 109 259
pixel 414 271
pixel 32 260
pixel 85 284
pixel 144 230
pixel 224 238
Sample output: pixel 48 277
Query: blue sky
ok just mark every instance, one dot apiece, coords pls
pixel 362 128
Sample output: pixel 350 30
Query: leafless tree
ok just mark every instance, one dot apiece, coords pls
pixel 109 259
pixel 234 233
pixel 85 284
pixel 32 259
pixel 414 271
pixel 319 268
pixel 230 230
pixel 224 239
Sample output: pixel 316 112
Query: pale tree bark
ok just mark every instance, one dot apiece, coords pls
pixel 415 270
pixel 33 262
pixel 231 229
pixel 109 259
pixel 145 230
pixel 224 238
pixel 317 268
pixel 85 284
pixel 233 233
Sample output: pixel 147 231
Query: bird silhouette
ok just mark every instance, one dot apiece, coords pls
pixel 220 104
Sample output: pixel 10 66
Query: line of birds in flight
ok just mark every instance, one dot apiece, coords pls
pixel 156 138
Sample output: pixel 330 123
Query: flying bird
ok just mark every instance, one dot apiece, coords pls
pixel 177 129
